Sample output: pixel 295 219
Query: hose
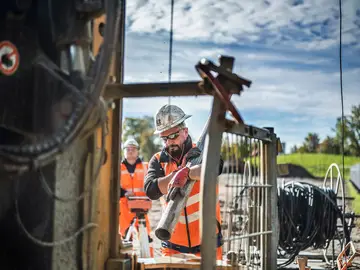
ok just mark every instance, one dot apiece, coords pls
pixel 307 217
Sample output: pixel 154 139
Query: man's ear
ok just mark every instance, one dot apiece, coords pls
pixel 186 131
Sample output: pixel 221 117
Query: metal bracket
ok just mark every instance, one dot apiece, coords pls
pixel 225 83
pixel 343 260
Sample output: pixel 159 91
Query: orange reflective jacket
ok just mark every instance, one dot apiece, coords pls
pixel 131 183
pixel 187 230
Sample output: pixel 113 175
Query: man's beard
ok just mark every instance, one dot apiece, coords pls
pixel 175 151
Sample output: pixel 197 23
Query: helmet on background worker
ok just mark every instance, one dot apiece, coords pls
pixel 131 142
pixel 131 150
pixel 164 165
pixel 133 170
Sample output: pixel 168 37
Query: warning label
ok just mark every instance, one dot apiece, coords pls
pixel 9 58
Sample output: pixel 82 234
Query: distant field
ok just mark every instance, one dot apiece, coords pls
pixel 317 165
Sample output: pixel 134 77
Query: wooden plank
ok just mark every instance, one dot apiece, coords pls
pixel 208 184
pixel 183 265
pixel 116 90
pixel 103 194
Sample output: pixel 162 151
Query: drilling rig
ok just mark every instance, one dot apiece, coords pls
pixel 51 87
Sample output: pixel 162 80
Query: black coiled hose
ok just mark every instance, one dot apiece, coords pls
pixel 307 216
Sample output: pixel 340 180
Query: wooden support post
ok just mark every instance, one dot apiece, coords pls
pixel 209 173
pixel 103 192
pixel 270 241
pixel 118 72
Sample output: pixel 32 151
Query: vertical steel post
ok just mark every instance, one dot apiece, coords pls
pixel 271 241
pixel 209 179
pixel 118 66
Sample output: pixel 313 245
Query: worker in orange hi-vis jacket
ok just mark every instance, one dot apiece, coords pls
pixel 133 170
pixel 167 169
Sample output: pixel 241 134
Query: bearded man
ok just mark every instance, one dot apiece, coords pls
pixel 178 150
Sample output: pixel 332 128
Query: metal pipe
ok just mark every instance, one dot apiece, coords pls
pixel 250 186
pixel 247 236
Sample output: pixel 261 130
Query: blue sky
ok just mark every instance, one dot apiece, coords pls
pixel 288 49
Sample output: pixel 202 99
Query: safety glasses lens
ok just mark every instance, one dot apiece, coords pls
pixel 171 136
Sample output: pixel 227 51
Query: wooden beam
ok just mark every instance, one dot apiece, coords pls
pixel 209 174
pixel 103 195
pixel 136 90
pixel 115 180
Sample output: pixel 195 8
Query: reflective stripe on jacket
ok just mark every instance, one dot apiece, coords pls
pixel 187 230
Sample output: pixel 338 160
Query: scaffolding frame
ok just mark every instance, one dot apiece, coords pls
pixel 116 91
pixel 266 227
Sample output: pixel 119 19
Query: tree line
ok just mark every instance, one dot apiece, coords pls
pixel 333 144
pixel 142 130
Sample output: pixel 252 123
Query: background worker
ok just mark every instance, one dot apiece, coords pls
pixel 178 149
pixel 133 170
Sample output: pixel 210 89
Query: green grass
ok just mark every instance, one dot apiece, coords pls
pixel 317 165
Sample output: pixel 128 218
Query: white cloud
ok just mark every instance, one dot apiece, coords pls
pixel 302 87
pixel 308 92
pixel 231 21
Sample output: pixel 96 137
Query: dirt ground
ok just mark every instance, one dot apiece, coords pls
pixel 225 197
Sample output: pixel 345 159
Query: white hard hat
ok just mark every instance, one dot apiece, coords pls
pixel 169 116
pixel 131 142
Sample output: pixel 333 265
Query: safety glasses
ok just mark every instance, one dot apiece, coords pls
pixel 171 136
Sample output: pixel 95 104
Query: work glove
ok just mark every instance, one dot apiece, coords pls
pixel 177 182
pixel 193 153
pixel 180 178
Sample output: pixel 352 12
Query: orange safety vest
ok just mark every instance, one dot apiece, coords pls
pixel 187 231
pixel 135 184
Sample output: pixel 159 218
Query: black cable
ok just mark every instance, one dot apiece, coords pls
pixel 171 40
pixel 342 116
pixel 302 209
pixel 73 237
pixel 95 176
pixel 171 44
